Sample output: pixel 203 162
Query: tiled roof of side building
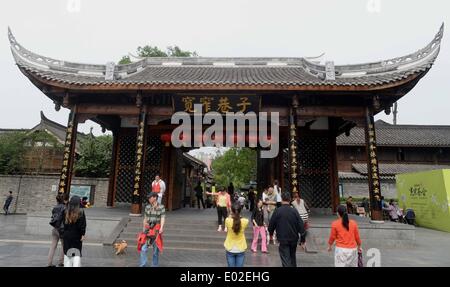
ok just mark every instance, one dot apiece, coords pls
pixel 400 136
pixel 387 169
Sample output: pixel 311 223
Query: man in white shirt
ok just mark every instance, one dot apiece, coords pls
pixel 159 187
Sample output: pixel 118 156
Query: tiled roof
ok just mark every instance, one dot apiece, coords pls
pixel 393 169
pixel 199 71
pixel 400 136
pixel 51 127
pixel 193 160
pixel 358 176
pixel 8 131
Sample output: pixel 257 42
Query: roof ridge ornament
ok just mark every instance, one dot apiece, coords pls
pixel 330 74
pixel 109 71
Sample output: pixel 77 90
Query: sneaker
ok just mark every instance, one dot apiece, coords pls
pixel 253 250
pixel 220 228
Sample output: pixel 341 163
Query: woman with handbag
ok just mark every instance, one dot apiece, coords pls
pixel 348 243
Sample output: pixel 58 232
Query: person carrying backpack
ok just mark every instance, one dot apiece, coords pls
pixel 56 223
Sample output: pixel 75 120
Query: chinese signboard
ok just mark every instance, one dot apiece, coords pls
pixel 220 104
pixel 67 157
pixel 373 171
pixel 428 194
pixel 139 158
pixel 293 154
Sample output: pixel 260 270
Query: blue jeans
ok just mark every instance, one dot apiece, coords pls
pixel 143 256
pixel 235 259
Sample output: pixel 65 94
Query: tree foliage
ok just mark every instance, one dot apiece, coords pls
pixel 125 60
pixel 95 156
pixel 154 51
pixel 15 146
pixel 12 151
pixel 237 165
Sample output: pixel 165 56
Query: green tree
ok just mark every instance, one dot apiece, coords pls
pixel 95 156
pixel 12 151
pixel 125 60
pixel 237 165
pixel 175 51
pixel 148 51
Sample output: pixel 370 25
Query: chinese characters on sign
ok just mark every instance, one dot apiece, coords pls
pixel 220 104
pixel 293 155
pixel 63 179
pixel 373 171
pixel 139 156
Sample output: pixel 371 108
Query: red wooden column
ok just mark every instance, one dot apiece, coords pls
pixel 65 178
pixel 165 170
pixel 334 174
pixel 112 175
pixel 372 167
pixel 141 143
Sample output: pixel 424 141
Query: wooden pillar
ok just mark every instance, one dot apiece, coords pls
pixel 65 178
pixel 112 175
pixel 165 174
pixel 293 148
pixel 141 143
pixel 175 199
pixel 372 167
pixel 334 174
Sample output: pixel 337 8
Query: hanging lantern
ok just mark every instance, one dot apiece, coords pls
pixel 166 138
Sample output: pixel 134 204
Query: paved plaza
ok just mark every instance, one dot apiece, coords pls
pixel 432 248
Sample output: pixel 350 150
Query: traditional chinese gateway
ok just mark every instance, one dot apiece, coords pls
pixel 316 103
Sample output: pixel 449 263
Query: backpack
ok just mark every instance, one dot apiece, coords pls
pixel 57 218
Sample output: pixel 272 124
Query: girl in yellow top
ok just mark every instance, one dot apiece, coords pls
pixel 235 243
pixel 223 203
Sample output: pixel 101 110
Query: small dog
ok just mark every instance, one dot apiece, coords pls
pixel 120 247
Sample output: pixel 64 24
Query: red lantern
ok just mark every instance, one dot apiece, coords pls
pixel 166 138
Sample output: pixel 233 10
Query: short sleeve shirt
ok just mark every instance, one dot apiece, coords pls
pixel 154 214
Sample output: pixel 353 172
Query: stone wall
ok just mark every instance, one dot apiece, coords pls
pixel 360 188
pixel 35 193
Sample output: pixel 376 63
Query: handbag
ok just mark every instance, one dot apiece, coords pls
pixel 360 259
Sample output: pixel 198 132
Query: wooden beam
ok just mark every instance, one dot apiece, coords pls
pixel 108 109
pixel 319 111
pixel 100 109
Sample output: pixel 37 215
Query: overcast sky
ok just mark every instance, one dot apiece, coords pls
pixel 348 31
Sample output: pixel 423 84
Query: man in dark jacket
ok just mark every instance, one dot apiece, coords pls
pixel 8 201
pixel 287 223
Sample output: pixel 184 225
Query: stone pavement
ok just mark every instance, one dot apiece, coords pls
pixel 432 248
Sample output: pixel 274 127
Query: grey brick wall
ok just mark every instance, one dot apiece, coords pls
pixel 360 188
pixel 34 193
